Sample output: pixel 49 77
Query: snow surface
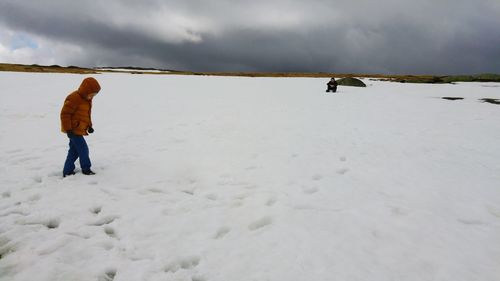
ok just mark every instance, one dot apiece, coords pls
pixel 235 179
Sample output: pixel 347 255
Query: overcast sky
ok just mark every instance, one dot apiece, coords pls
pixel 362 36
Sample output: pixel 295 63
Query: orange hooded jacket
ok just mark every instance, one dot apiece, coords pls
pixel 76 111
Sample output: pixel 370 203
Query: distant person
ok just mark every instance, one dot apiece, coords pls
pixel 76 123
pixel 332 85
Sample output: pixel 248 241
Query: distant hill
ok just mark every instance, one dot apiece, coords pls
pixel 430 79
pixel 48 69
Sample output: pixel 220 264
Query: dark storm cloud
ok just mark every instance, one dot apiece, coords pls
pixel 383 37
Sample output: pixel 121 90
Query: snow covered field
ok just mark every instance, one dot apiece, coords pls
pixel 242 179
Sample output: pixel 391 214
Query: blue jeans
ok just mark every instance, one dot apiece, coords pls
pixel 77 149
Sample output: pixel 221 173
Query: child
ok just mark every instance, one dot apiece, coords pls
pixel 76 123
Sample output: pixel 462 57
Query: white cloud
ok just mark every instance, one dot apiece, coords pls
pixel 47 52
pixel 165 23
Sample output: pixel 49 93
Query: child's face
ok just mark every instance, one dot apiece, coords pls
pixel 91 96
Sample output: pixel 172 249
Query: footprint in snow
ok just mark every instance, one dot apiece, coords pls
pixel 237 203
pixel 310 190
pixel 14 151
pixel 109 275
pixel 6 247
pixel 80 235
pixel 342 171
pixel 37 179
pixel 18 212
pixel 471 222
pixel 105 220
pixel 149 191
pixel 155 190
pixel 211 196
pixel 242 196
pixel 104 190
pixel 258 224
pixel 221 232
pixel 185 263
pixel 188 192
pixel 50 223
pixel 55 244
pixel 398 211
pixel 56 174
pixel 110 231
pixel 271 201
pixel 96 209
pixel 317 177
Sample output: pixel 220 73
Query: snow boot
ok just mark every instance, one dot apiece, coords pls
pixel 88 172
pixel 68 174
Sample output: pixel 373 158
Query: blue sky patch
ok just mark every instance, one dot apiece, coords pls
pixel 22 41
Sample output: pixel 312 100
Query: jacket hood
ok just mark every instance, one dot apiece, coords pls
pixel 89 85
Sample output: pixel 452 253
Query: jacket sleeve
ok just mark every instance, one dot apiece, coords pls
pixel 90 115
pixel 67 111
